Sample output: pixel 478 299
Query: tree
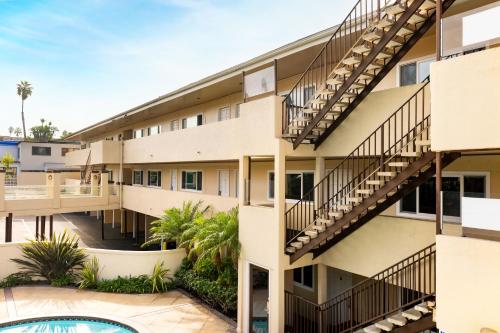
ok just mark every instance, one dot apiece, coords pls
pixel 7 160
pixel 65 134
pixel 24 90
pixel 17 132
pixel 43 132
pixel 11 130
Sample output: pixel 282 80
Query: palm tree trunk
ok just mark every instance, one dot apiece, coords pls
pixel 22 116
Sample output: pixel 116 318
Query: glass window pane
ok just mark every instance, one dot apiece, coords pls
pixel 408 74
pixel 260 82
pixel 475 186
pixel 271 185
pixel 308 183
pixel 409 202
pixel 451 196
pixel 297 275
pixel 199 180
pixel 293 186
pixel 308 276
pixel 427 197
pixel 424 69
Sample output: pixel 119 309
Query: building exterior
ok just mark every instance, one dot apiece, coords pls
pixel 348 197
pixel 32 159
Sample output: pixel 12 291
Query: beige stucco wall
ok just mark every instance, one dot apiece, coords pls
pixel 55 160
pixel 465 102
pixel 77 158
pixel 467 284
pixel 39 178
pixel 113 263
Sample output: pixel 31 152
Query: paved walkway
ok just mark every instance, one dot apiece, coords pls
pixel 171 312
pixel 88 229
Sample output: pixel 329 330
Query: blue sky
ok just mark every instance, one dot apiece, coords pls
pixel 90 59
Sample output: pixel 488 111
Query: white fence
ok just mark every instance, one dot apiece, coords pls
pixel 113 263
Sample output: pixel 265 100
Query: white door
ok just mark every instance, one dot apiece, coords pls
pixel 173 180
pixel 224 183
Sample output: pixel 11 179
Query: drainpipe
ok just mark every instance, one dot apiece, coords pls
pixel 121 173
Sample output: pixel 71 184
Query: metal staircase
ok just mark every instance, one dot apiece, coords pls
pixel 400 299
pixel 87 171
pixel 390 163
pixel 372 39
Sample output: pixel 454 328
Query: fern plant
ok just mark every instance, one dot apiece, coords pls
pixel 52 259
pixel 89 276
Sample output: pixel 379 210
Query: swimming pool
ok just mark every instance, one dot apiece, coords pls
pixel 66 324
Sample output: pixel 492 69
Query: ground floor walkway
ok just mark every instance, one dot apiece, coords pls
pixel 88 229
pixel 172 312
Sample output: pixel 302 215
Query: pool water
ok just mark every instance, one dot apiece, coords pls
pixel 65 326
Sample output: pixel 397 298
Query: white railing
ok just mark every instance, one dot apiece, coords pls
pixel 79 190
pixel 26 192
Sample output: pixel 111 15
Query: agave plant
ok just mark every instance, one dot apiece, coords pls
pixel 89 276
pixel 52 259
pixel 159 278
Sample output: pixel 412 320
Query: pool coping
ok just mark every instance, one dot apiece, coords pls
pixel 124 322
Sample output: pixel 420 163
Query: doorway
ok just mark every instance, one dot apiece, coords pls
pixel 259 300
pixel 223 183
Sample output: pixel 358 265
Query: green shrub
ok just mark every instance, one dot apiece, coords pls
pixel 52 259
pixel 126 285
pixel 16 279
pixel 62 281
pixel 159 279
pixel 89 276
pixel 222 298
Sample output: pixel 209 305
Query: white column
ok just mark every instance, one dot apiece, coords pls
pixel 319 173
pixel 322 280
pixel 113 218
pixel 244 181
pixel 134 224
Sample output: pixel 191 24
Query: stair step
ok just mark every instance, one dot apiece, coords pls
pixel 354 199
pixel 304 239
pixel 318 101
pixel 394 9
pixel 342 71
pixel 423 143
pixel 412 314
pixel 372 329
pixel 372 36
pixel 364 192
pixel 297 245
pixel 427 5
pixel 326 222
pixel 422 307
pixel 397 319
pixel 398 164
pixel 416 19
pixel 384 22
pixel 392 44
pixel 386 174
pixel 365 76
pixel 311 233
pixel 384 325
pixel 335 214
pixel 290 250
pixel 375 182
pixel 344 207
pixel 405 30
pixel 411 154
pixel 373 66
pixel 351 60
pixel 326 91
pixel 319 228
pixel 335 81
pixel 362 49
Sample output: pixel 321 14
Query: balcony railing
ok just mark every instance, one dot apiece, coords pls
pixel 80 190
pixel 26 192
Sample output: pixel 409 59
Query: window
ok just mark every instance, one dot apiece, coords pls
pixel 192 180
pixel 154 178
pixel 304 276
pixel 224 114
pixel 41 151
pixel 237 112
pixel 137 177
pixel 193 121
pixel 174 125
pixel 138 133
pixel 297 184
pixel 414 72
pixel 421 202
pixel 64 151
pixel 154 130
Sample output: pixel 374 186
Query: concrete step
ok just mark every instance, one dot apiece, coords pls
pixel 304 239
pixel 410 154
pixel 422 307
pixel 412 314
pixel 325 222
pixel 290 250
pixel 372 329
pixel 319 228
pixel 335 214
pixel 355 200
pixel 364 192
pixel 389 174
pixel 398 164
pixel 297 245
pixel 311 233
pixel 384 325
pixel 423 143
pixel 375 182
pixel 397 320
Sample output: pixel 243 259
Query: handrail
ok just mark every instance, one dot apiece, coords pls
pixel 398 287
pixel 409 120
pixel 344 37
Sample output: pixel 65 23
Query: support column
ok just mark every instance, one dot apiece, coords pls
pixel 51 226
pixel 124 216
pixel 113 218
pixel 439 227
pixel 244 175
pixel 135 219
pixel 102 225
pixel 42 227
pixel 145 228
pixel 8 228
pixel 319 174
pixel 37 227
pixel 322 280
pixel 439 11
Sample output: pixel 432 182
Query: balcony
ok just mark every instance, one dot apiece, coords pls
pixel 101 152
pixel 153 201
pixel 250 134
pixel 54 198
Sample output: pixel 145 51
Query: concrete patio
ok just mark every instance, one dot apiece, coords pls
pixel 171 312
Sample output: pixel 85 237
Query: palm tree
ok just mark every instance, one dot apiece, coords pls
pixel 174 222
pixel 24 90
pixel 17 131
pixel 11 130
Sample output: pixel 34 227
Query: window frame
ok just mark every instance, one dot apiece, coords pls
pixel 228 108
pixel 191 190
pixel 289 172
pixel 446 218
pixel 134 136
pixel 194 116
pixel 301 284
pixel 158 127
pixel 176 122
pixel 33 148
pixel 133 177
pixel 158 177
pixel 237 110
pixel 417 61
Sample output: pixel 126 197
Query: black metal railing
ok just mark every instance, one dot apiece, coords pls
pixel 399 287
pixel 396 134
pixel 343 39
